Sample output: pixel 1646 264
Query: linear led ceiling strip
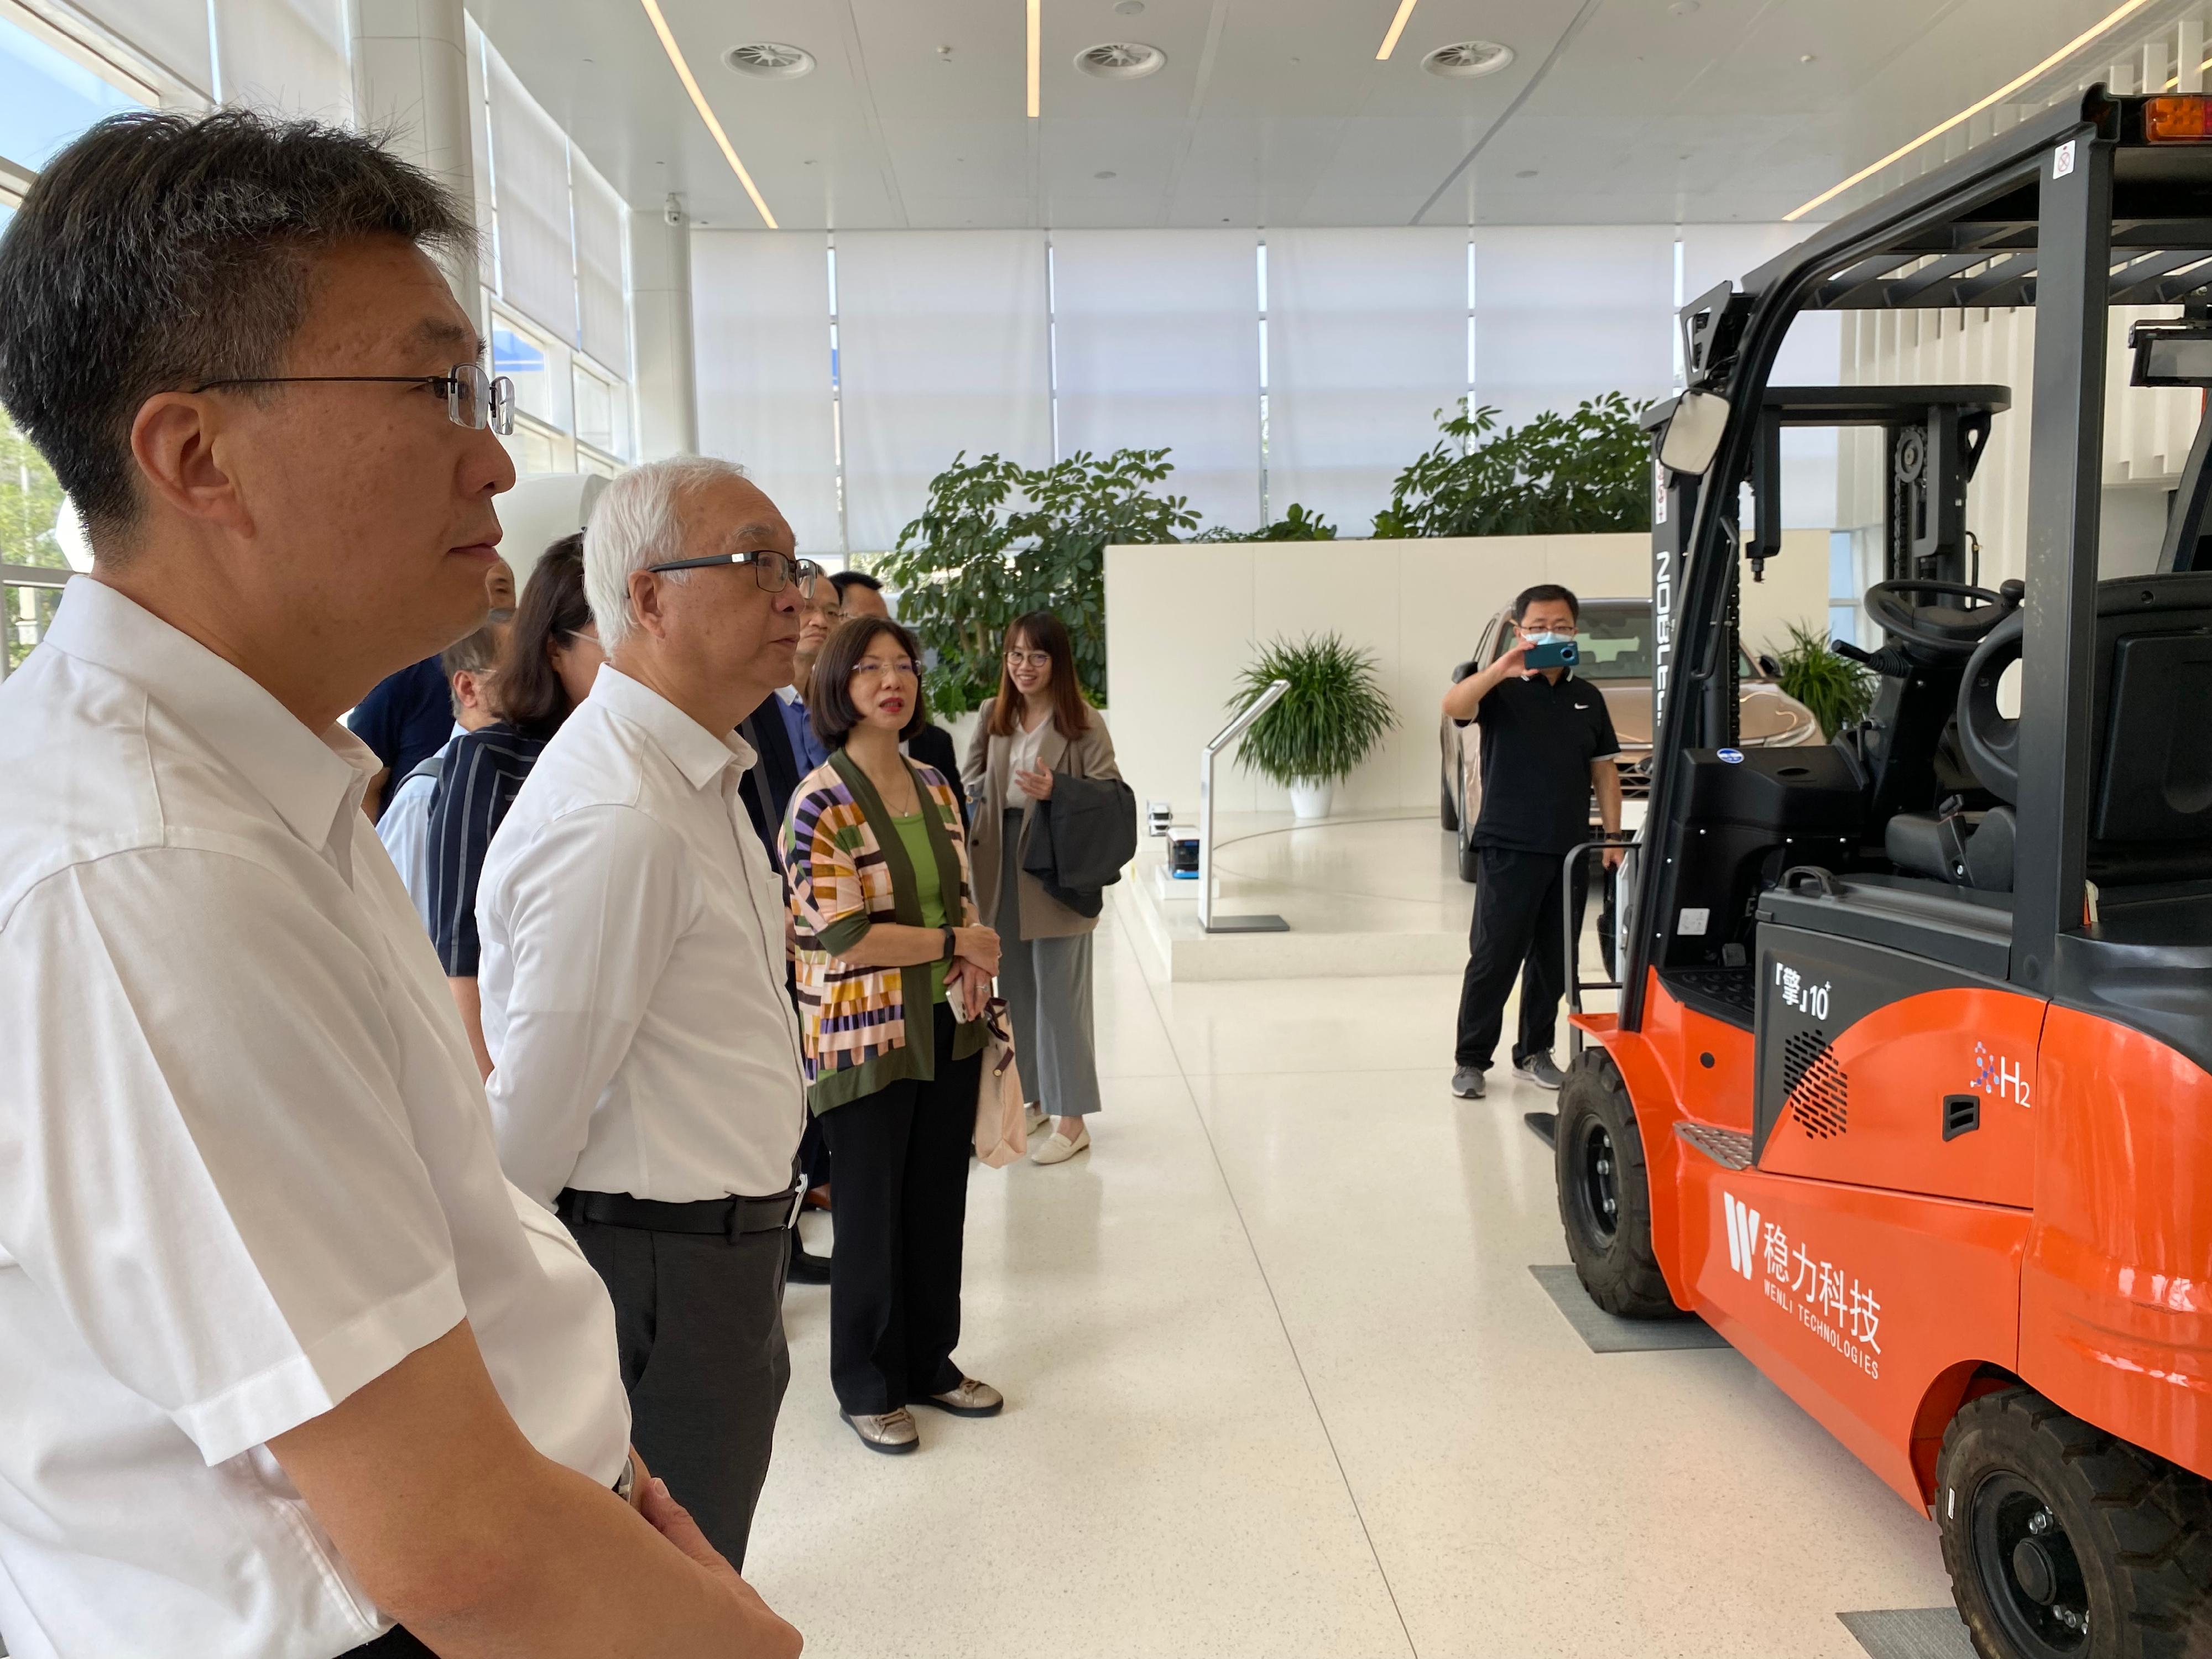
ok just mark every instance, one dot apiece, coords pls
pixel 699 102
pixel 1972 110
pixel 1036 56
pixel 1397 28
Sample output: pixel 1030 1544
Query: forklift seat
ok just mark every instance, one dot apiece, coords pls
pixel 2151 811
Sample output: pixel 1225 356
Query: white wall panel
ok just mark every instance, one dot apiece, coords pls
pixel 760 307
pixel 1181 620
pixel 289 56
pixel 1157 346
pixel 943 338
pixel 1366 340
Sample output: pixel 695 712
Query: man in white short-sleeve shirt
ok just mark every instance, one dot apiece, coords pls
pixel 647 1079
pixel 288 1369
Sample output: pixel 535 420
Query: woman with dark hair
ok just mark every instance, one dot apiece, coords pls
pixel 891 965
pixel 1036 729
pixel 551 655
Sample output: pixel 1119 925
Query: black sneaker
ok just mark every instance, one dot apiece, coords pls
pixel 806 1267
pixel 1538 1070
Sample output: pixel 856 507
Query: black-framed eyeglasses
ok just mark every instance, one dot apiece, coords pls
pixel 475 398
pixel 772 570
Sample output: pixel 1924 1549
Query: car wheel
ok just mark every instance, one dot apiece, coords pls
pixel 1448 809
pixel 1470 855
pixel 2065 1542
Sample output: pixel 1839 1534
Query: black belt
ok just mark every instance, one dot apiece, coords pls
pixel 726 1218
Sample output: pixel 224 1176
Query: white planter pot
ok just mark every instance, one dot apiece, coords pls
pixel 1309 799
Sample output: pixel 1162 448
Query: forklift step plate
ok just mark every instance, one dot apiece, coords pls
pixel 1729 1148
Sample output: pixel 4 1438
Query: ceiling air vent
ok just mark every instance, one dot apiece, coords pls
pixel 770 60
pixel 1122 60
pixel 1469 58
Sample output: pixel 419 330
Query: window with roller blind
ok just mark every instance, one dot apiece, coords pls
pixel 54 83
pixel 559 294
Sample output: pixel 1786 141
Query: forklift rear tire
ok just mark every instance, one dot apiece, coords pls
pixel 1605 1195
pixel 2065 1542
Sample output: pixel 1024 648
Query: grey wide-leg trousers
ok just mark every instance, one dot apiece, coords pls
pixel 1047 986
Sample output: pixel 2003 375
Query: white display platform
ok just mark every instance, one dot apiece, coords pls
pixel 1366 895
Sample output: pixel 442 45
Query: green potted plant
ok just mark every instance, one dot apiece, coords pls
pixel 1838 691
pixel 1330 720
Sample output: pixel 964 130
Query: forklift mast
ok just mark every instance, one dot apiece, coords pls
pixel 2073 211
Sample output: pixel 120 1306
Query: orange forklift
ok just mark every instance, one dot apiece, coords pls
pixel 1909 1093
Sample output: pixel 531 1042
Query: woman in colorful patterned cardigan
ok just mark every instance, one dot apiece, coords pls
pixel 891 961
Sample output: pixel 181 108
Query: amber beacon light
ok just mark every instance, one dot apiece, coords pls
pixel 2184 118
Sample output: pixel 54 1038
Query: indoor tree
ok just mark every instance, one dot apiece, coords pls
pixel 1587 469
pixel 996 540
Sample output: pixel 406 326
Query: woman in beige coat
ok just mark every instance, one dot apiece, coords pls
pixel 1038 728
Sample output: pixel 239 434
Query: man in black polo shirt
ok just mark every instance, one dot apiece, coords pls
pixel 1546 743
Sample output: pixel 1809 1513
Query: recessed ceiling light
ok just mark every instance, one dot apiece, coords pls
pixel 1807 59
pixel 770 60
pixel 1109 173
pixel 1526 172
pixel 1467 58
pixel 1130 8
pixel 1122 60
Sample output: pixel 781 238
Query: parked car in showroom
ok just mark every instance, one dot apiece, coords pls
pixel 1614 638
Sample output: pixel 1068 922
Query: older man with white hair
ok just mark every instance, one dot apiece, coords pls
pixel 646 1072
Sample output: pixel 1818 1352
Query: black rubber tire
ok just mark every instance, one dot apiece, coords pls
pixel 2133 1536
pixel 1447 809
pixel 1615 1263
pixel 1470 858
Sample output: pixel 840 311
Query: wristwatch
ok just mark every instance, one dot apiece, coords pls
pixel 951 945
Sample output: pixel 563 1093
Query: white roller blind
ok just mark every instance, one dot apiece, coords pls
pixel 944 349
pixel 1366 337
pixel 602 221
pixel 530 186
pixel 1563 313
pixel 760 322
pixel 289 56
pixel 173 33
pixel 1157 345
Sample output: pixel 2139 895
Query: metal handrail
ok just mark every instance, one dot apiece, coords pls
pixel 1228 734
pixel 1573 938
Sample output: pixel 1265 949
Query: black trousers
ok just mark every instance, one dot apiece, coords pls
pixel 699 1328
pixel 1517 930
pixel 900 1203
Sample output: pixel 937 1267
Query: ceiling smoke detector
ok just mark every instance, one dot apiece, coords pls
pixel 1122 60
pixel 1467 58
pixel 770 60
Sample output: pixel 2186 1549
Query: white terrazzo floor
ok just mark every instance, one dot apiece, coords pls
pixel 1281 1385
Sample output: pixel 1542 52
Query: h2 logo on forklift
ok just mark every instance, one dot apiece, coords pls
pixel 1999 1078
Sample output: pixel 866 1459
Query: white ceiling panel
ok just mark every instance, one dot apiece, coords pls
pixel 1276 113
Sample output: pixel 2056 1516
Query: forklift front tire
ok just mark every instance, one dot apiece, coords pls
pixel 2065 1542
pixel 1604 1194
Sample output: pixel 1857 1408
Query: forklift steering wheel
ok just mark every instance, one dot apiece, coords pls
pixel 1949 631
pixel 1990 741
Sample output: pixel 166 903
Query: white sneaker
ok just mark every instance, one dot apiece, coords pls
pixel 1059 1148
